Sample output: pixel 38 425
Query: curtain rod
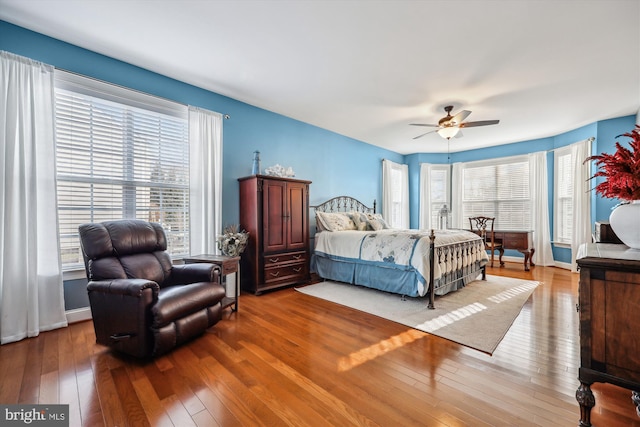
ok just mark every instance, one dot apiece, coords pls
pixel 225 116
pixel 590 139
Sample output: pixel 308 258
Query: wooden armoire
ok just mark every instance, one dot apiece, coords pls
pixel 275 212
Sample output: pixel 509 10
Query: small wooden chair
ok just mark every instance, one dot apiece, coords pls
pixel 483 226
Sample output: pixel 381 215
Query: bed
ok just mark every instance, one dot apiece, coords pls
pixel 353 244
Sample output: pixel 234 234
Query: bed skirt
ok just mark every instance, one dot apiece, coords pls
pixel 403 281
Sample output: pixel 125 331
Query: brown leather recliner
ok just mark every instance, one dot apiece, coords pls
pixel 141 303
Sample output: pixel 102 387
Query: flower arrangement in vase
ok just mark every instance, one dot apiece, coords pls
pixel 621 171
pixel 232 242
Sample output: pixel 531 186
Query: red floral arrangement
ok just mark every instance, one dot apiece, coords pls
pixel 621 170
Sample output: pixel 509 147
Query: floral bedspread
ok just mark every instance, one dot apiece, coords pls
pixel 400 248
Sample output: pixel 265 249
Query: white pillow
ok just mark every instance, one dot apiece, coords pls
pixel 319 224
pixel 376 222
pixel 335 221
pixel 360 220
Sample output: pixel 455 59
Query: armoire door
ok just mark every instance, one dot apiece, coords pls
pixel 274 202
pixel 297 217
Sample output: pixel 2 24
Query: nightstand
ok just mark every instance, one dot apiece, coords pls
pixel 228 265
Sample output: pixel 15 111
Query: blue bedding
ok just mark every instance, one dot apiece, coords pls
pixel 398 260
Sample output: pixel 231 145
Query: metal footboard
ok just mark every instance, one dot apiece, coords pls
pixel 449 253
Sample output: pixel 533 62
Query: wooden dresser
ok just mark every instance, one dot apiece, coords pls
pixel 275 212
pixel 609 307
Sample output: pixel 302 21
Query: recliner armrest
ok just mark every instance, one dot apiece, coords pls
pixel 192 273
pixel 130 287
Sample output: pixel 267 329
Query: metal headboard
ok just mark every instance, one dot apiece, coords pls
pixel 344 204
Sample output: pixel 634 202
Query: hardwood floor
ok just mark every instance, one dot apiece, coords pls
pixel 290 359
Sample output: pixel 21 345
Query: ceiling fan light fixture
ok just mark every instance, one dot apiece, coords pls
pixel 449 126
pixel 448 132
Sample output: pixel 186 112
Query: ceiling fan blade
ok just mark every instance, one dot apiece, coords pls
pixel 420 136
pixel 459 117
pixel 479 123
pixel 423 124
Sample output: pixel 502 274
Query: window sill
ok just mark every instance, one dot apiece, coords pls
pixel 562 245
pixel 73 274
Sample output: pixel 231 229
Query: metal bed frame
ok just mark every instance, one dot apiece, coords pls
pixel 441 253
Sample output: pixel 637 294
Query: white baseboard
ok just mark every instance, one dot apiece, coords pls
pixel 508 258
pixel 565 265
pixel 559 264
pixel 78 315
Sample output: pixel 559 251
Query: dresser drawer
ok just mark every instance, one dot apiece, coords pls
pixel 286 273
pixel 284 258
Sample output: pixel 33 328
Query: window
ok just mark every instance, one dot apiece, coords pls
pixel 396 200
pixel 500 189
pixel 395 203
pixel 120 154
pixel 563 172
pixel 434 182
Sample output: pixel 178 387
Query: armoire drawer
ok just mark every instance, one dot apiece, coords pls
pixel 284 258
pixel 286 273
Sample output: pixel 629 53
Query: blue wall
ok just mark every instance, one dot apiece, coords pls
pixel 336 164
pixel 604 132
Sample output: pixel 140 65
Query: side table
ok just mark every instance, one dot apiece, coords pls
pixel 228 265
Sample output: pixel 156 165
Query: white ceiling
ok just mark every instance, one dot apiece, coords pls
pixel 366 68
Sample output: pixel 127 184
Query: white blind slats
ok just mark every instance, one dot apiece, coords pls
pixel 117 160
pixel 564 196
pixel 109 93
pixel 498 189
pixel 396 196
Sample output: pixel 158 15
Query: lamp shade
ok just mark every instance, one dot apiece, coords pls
pixel 448 132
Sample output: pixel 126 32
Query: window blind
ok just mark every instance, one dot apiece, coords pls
pixel 564 196
pixel 117 159
pixel 500 189
pixel 395 202
pixel 396 197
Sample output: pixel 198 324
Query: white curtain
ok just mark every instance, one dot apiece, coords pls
pixel 457 191
pixel 540 208
pixel 205 180
pixel 395 194
pixel 581 198
pixel 425 197
pixel 31 293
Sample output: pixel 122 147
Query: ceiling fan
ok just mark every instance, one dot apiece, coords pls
pixel 449 126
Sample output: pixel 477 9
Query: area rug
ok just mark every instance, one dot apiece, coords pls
pixel 477 316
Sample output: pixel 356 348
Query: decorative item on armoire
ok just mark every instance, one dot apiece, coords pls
pixel 281 171
pixel 255 169
pixel 275 170
pixel 621 171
